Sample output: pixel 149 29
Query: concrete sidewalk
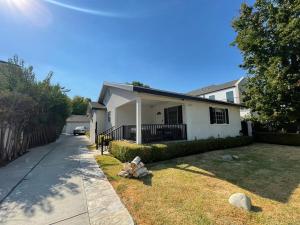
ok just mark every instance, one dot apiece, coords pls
pixel 59 184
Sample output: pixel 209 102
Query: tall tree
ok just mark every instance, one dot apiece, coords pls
pixel 79 105
pixel 268 35
pixel 32 112
pixel 138 83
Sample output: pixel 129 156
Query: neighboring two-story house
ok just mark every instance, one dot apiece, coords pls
pixel 228 92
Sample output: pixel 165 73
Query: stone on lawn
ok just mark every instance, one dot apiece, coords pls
pixel 227 157
pixel 235 157
pixel 240 200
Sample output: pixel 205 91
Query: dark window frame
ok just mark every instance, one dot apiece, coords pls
pixel 219 115
pixel 178 111
pixel 212 97
pixel 231 97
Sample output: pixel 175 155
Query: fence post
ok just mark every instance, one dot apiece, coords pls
pixel 96 140
pixel 102 143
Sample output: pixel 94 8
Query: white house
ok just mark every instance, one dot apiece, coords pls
pixel 150 115
pixel 229 92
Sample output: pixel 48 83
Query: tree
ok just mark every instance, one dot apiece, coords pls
pixel 139 84
pixel 79 105
pixel 32 112
pixel 268 35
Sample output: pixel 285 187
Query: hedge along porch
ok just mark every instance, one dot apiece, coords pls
pixel 163 115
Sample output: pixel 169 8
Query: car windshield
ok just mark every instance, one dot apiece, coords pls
pixel 79 128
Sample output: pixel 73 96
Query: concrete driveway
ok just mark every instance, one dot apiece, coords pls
pixel 59 184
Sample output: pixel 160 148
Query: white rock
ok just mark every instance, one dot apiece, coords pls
pixel 227 157
pixel 240 200
pixel 235 157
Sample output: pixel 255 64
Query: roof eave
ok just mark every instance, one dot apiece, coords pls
pixel 180 96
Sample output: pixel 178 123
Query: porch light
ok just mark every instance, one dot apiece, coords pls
pixel 158 113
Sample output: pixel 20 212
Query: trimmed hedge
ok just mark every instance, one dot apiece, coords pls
pixel 126 151
pixel 278 138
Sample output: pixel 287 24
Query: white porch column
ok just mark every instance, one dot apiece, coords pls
pixel 138 121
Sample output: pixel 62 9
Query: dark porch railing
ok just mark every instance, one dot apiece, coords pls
pixel 150 132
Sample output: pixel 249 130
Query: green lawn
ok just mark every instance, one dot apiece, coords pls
pixel 195 189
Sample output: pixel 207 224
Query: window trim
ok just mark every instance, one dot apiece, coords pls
pixel 212 97
pixel 178 111
pixel 227 99
pixel 213 116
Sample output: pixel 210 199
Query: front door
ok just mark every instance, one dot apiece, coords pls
pixel 173 115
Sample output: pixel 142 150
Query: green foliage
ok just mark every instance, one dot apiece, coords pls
pixel 268 35
pixel 126 151
pixel 139 84
pixel 278 138
pixel 79 105
pixel 31 112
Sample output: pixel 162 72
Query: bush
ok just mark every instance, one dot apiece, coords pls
pixel 126 151
pixel 278 138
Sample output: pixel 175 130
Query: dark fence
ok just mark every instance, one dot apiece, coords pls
pixel 150 133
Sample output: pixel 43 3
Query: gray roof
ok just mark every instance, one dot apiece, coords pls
pixel 78 118
pixel 213 88
pixel 153 91
pixel 96 105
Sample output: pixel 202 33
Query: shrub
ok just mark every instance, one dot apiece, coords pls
pixel 126 151
pixel 278 138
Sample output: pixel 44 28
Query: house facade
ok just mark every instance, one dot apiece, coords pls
pixel 150 115
pixel 229 92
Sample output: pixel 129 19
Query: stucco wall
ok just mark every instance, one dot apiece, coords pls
pixel 116 97
pixel 198 121
pixel 159 119
pixel 126 114
pixel 99 117
pixel 221 95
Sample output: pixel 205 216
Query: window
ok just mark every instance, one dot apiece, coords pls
pixel 229 96
pixel 109 116
pixel 218 116
pixel 212 97
pixel 173 115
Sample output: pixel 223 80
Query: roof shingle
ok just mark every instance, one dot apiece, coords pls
pixel 213 88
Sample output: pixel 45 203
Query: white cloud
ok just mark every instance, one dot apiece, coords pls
pixel 86 10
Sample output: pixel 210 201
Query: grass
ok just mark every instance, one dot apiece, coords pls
pixel 195 189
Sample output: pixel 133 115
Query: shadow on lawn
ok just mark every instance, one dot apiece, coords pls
pixel 53 179
pixel 270 171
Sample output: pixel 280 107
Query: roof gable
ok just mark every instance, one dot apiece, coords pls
pixel 213 88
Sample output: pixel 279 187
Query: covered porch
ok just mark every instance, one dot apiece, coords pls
pixel 146 120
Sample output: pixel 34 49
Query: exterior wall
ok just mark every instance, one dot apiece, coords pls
pixel 99 117
pixel 126 114
pixel 116 97
pixel 159 119
pixel 70 126
pixel 221 95
pixel 198 121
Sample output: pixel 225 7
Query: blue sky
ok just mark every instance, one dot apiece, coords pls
pixel 177 45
